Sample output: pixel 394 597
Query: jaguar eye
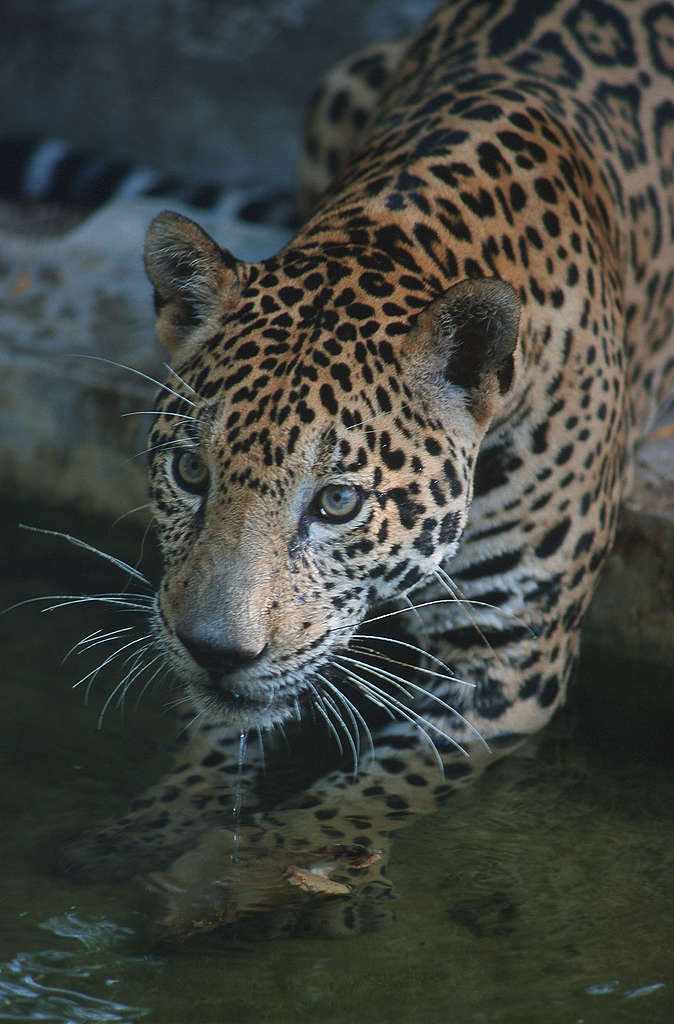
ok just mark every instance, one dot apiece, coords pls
pixel 190 471
pixel 337 503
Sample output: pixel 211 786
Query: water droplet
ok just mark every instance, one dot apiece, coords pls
pixel 238 794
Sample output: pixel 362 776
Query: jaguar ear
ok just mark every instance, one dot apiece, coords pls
pixel 193 278
pixel 466 338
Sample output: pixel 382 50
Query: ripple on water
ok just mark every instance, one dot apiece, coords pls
pixel 46 985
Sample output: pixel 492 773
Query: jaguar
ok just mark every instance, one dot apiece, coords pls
pixel 387 463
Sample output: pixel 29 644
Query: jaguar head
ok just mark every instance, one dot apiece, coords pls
pixel 312 457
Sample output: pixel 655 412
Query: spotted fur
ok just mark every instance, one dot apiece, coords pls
pixel 459 347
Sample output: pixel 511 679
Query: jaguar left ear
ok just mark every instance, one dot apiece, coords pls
pixel 467 337
pixel 193 277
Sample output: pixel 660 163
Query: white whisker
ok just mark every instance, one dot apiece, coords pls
pixel 370 419
pixel 137 668
pixel 417 650
pixel 354 744
pixel 183 382
pixel 142 602
pixel 117 562
pixel 177 442
pixel 139 373
pixel 348 707
pixel 172 705
pixel 410 605
pixel 95 639
pixel 399 682
pixel 445 580
pixel 391 614
pixel 66 599
pixel 449 584
pixel 405 685
pixel 148 682
pixel 354 714
pixel 377 656
pixel 159 412
pixel 195 718
pixel 359 685
pixel 396 709
pixel 318 704
pixel 125 515
pixel 111 657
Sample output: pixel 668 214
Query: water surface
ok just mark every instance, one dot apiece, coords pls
pixel 544 893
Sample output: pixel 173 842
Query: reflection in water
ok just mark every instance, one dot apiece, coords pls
pixel 545 894
pixel 93 935
pixel 238 795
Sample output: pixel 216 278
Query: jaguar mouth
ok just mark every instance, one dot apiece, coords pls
pixel 227 695
pixel 221 698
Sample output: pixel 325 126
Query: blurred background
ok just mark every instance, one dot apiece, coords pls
pixel 209 89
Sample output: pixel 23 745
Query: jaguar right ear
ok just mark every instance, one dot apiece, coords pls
pixel 465 340
pixel 193 278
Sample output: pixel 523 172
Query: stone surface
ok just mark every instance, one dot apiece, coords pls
pixel 68 303
pixel 632 614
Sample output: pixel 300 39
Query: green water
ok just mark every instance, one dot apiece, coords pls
pixel 544 893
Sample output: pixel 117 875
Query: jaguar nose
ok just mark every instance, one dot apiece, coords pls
pixel 215 656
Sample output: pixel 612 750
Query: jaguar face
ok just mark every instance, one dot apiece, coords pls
pixel 272 563
pixel 299 480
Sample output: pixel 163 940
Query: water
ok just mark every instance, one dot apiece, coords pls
pixel 545 893
pixel 238 796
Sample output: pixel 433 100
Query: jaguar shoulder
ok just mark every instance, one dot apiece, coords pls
pixel 419 413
